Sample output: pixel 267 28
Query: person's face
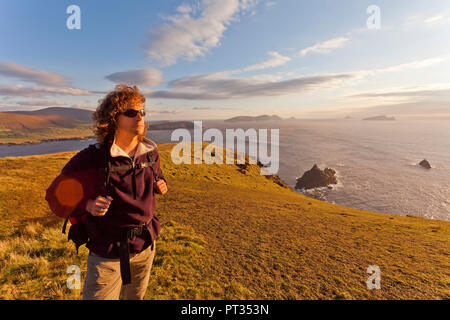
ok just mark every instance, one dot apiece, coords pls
pixel 132 125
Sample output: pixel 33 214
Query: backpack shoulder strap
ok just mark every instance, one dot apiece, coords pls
pixel 151 164
pixel 104 165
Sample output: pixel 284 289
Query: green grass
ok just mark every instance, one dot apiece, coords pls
pixel 83 130
pixel 228 233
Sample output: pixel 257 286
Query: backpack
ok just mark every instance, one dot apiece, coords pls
pixel 84 227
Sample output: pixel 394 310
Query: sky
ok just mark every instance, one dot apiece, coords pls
pixel 216 59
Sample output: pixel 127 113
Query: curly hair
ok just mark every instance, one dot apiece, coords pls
pixel 116 101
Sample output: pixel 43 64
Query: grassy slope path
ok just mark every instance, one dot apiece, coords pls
pixel 228 234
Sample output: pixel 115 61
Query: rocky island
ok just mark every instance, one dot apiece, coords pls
pixel 315 178
pixel 424 163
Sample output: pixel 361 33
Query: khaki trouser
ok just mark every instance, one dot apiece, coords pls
pixel 103 280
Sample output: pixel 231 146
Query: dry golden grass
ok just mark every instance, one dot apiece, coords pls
pixel 228 233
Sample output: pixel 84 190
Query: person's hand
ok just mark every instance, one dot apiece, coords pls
pixel 99 206
pixel 161 186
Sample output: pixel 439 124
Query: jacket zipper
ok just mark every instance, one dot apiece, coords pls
pixel 133 178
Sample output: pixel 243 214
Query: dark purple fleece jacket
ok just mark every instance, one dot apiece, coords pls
pixel 130 207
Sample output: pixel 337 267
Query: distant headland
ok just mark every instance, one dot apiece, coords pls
pixel 264 117
pixel 379 118
pixel 21 127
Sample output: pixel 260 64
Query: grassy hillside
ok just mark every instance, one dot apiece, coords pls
pixel 72 113
pixel 24 128
pixel 228 233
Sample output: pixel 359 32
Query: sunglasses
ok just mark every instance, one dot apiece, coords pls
pixel 133 113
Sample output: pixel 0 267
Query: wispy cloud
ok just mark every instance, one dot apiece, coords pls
pixel 422 20
pixel 437 91
pixel 37 91
pixel 212 108
pixel 415 64
pixel 275 61
pixel 220 86
pixel 41 103
pixel 156 111
pixel 27 74
pixel 186 36
pixel 212 87
pixel 422 107
pixel 417 109
pixel 142 77
pixel 434 19
pixel 185 8
pixel 202 108
pixel 326 46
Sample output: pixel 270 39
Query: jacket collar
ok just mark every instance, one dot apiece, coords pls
pixel 145 146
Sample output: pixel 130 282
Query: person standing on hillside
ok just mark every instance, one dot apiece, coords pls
pixel 109 190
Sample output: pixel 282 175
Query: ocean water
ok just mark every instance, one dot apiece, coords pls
pixel 160 136
pixel 376 161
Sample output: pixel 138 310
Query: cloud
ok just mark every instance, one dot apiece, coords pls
pixel 37 91
pixel 415 64
pixel 201 108
pixel 41 103
pixel 153 111
pixel 220 86
pixel 421 20
pixel 140 77
pixel 212 108
pixel 184 8
pixel 418 109
pixel 27 74
pixel 434 19
pixel 410 108
pixel 276 60
pixel 326 46
pixel 418 64
pixel 213 87
pixel 422 92
pixel 186 36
